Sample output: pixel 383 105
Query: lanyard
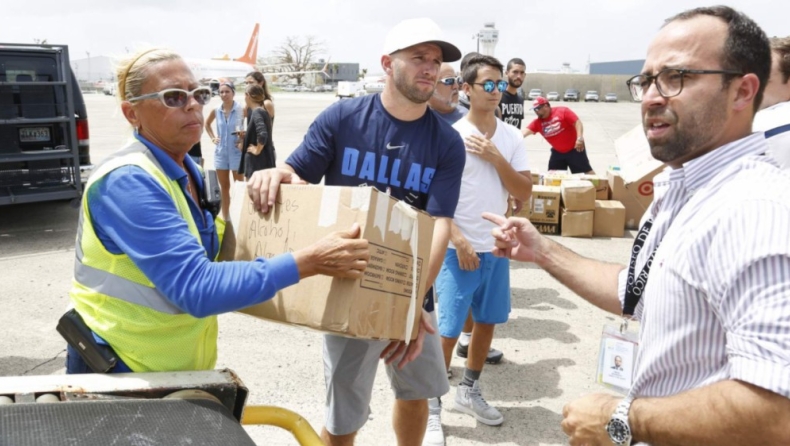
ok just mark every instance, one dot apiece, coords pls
pixel 636 285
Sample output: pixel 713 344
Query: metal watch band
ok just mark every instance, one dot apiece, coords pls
pixel 624 406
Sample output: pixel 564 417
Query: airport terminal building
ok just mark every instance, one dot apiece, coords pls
pixel 623 67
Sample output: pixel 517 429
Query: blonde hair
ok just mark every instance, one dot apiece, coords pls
pixel 131 71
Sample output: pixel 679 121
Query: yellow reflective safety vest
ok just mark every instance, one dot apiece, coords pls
pixel 120 304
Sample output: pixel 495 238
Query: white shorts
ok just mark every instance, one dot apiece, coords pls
pixel 350 368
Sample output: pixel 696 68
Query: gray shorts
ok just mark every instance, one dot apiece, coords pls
pixel 350 368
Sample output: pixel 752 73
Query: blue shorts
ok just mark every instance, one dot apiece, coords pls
pixel 486 290
pixel 227 159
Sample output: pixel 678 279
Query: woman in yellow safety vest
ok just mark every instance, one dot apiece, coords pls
pixel 146 282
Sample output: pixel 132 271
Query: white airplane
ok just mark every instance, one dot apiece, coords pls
pixel 207 70
pixel 213 71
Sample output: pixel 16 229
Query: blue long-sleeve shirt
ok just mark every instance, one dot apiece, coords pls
pixel 133 215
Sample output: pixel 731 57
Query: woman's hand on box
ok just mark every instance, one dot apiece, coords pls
pixel 340 254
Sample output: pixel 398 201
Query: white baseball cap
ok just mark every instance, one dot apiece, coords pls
pixel 416 31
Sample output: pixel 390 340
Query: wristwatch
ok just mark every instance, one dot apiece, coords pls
pixel 618 428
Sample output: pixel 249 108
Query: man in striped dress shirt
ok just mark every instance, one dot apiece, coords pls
pixel 714 361
pixel 774 115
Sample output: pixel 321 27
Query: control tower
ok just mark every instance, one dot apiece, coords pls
pixel 487 39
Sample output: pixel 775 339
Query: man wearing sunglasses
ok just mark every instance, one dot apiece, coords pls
pixel 709 276
pixel 445 98
pixel 565 132
pixel 393 142
pixel 512 104
pixel 471 277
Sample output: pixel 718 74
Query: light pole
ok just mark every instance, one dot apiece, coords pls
pixel 89 66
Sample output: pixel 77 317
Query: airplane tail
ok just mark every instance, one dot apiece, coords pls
pixel 324 71
pixel 251 55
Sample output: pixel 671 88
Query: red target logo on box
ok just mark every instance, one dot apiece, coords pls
pixel 645 188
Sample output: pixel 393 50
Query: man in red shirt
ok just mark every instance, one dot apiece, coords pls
pixel 564 131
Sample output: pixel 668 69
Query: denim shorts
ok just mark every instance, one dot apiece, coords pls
pixel 227 158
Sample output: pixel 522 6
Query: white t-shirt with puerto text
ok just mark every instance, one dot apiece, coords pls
pixel 481 188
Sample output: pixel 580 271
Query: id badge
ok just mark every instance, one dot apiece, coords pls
pixel 617 358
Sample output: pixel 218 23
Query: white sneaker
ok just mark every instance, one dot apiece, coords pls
pixel 469 400
pixel 434 435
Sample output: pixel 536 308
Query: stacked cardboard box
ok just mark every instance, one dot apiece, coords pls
pixel 555 177
pixel 632 184
pixel 543 209
pixel 601 183
pixel 578 207
pixel 609 219
pixel 578 201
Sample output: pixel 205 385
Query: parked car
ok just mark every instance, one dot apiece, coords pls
pixel 571 94
pixel 534 93
pixel 303 88
pixel 591 95
pixel 291 88
pixel 110 88
pixel 610 97
pixel 44 138
pixel 553 96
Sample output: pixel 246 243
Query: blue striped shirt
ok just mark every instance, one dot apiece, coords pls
pixel 717 302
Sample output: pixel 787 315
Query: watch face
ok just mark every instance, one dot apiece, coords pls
pixel 618 431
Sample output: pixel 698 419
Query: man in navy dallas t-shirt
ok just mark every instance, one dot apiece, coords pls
pixel 393 142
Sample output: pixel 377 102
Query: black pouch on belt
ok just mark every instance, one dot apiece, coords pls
pixel 100 358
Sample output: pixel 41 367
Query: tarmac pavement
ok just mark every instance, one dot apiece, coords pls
pixel 550 343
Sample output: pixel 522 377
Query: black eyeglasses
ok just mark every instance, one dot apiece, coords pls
pixel 176 97
pixel 452 80
pixel 489 86
pixel 669 81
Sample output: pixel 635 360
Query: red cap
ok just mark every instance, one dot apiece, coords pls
pixel 538 102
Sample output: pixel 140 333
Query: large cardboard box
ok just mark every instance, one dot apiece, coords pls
pixel 543 209
pixel 634 188
pixel 380 305
pixel 577 224
pixel 601 184
pixel 578 195
pixel 609 220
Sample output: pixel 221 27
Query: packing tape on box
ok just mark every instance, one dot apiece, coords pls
pixel 330 202
pixel 382 210
pixel 404 220
pixel 360 198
